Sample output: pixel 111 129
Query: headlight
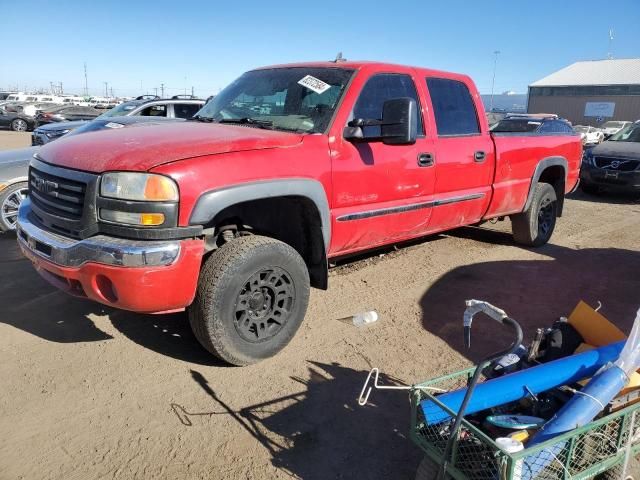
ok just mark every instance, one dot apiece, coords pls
pixel 56 133
pixel 138 186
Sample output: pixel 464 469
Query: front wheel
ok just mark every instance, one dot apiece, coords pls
pixel 252 296
pixel 19 125
pixel 10 200
pixel 534 226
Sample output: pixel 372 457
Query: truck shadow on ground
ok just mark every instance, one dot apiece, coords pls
pixel 321 432
pixel 534 292
pixel 29 303
pixel 169 335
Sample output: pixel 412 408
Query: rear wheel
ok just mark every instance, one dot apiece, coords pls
pixel 534 226
pixel 19 125
pixel 10 200
pixel 251 299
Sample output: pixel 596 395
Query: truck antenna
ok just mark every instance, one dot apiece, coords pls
pixel 339 58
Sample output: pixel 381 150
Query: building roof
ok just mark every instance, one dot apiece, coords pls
pixel 594 72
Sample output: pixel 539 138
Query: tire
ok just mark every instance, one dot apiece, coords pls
pixel 534 226
pixel 251 299
pixel 589 188
pixel 19 125
pixel 428 469
pixel 10 200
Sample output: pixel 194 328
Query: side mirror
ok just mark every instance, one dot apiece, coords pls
pixel 399 121
pixel 398 126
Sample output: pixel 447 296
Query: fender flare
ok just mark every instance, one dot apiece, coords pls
pixel 543 164
pixel 211 203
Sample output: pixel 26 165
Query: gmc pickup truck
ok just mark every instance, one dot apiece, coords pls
pixel 236 214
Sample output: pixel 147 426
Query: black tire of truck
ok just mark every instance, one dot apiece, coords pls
pixel 428 470
pixel 534 226
pixel 251 299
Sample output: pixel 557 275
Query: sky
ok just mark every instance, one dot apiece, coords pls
pixel 135 46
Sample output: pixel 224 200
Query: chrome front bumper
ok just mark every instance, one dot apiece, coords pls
pixel 68 252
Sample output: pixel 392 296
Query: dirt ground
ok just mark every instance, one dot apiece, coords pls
pixel 9 139
pixel 92 393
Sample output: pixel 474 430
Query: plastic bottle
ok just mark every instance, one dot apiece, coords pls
pixel 511 445
pixel 364 318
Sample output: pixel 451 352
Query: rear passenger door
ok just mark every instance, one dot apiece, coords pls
pixel 464 156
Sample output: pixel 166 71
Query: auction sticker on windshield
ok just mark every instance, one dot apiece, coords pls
pixel 314 84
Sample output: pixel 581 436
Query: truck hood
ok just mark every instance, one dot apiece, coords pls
pixel 617 149
pixel 143 147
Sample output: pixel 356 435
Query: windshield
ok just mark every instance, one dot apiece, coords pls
pixel 121 110
pixel 629 134
pixel 581 129
pixel 613 125
pixel 300 99
pixel 513 126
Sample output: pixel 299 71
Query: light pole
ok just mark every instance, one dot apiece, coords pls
pixel 493 81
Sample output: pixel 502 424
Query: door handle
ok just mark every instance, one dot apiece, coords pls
pixel 425 160
pixel 479 156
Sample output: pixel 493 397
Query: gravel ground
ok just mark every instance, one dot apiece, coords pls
pixel 88 392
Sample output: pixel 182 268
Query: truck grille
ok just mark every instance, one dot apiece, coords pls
pixel 56 195
pixel 63 200
pixel 617 164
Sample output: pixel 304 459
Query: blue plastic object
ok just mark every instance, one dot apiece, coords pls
pixel 515 386
pixel 577 412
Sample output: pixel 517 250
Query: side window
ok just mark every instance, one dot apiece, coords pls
pixel 453 107
pixel 185 110
pixel 154 111
pixel 377 90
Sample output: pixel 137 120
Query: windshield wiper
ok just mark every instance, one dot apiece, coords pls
pixel 248 121
pixel 200 118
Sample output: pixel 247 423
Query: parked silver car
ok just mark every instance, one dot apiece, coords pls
pixel 13 184
pixel 14 164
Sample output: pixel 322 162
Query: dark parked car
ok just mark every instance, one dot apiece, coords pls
pixel 521 123
pixel 16 121
pixel 14 165
pixel 66 113
pixel 614 164
pixel 153 107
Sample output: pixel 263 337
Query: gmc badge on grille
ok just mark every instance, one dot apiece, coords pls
pixel 44 186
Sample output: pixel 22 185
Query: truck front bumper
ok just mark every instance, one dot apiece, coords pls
pixel 141 276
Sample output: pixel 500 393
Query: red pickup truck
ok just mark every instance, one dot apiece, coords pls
pixel 235 215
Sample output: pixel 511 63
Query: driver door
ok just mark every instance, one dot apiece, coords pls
pixel 381 193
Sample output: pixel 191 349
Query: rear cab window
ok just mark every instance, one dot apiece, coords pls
pixel 453 107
